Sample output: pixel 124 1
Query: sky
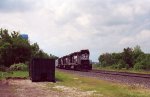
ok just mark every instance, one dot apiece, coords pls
pixel 61 27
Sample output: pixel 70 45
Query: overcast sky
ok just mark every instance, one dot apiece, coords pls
pixel 61 27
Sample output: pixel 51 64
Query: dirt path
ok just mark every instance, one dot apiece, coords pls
pixel 26 88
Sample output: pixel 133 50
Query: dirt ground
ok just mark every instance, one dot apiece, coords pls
pixel 26 88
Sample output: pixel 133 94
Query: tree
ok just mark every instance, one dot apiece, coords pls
pixel 136 53
pixel 116 58
pixel 5 53
pixel 41 54
pixel 21 50
pixel 35 49
pixel 106 59
pixel 53 56
pixel 137 49
pixel 4 36
pixel 15 49
pixel 15 34
pixel 127 56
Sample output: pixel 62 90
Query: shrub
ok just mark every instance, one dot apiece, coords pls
pixel 147 62
pixel 114 66
pixel 127 66
pixel 96 65
pixel 103 64
pixel 138 66
pixel 117 66
pixel 148 66
pixel 19 67
pixel 120 66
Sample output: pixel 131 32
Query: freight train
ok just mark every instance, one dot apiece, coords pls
pixel 76 61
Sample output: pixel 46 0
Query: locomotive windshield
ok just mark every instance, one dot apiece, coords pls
pixel 85 57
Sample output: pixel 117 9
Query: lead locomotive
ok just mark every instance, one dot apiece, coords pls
pixel 77 61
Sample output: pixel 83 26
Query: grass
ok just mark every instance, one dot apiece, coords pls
pixel 107 89
pixel 21 74
pixel 121 70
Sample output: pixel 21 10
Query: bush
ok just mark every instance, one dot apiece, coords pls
pixel 114 66
pixel 103 64
pixel 138 66
pixel 117 66
pixel 148 66
pixel 127 66
pixel 96 65
pixel 19 67
pixel 120 66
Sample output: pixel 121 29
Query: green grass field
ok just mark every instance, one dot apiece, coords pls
pixel 108 89
pixel 21 74
pixel 121 70
pixel 104 88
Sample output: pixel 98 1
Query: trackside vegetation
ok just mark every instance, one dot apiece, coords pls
pixel 130 58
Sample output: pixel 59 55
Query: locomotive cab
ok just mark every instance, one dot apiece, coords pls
pixel 84 59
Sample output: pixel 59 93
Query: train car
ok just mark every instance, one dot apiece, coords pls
pixel 76 61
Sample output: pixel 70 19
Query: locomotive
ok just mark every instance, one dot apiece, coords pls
pixel 76 61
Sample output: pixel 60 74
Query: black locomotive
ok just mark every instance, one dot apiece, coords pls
pixel 77 61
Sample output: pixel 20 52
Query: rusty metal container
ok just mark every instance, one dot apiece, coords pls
pixel 42 70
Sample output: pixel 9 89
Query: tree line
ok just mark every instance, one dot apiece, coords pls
pixel 129 58
pixel 15 49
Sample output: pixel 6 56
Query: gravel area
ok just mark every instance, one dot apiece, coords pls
pixel 26 88
pixel 141 82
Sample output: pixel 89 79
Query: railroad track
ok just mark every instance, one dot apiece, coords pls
pixel 121 77
pixel 121 73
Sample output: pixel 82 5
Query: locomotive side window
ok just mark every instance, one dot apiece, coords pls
pixel 66 60
pixel 75 58
pixel 61 61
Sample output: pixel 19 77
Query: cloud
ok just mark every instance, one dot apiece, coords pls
pixel 63 26
pixel 139 38
pixel 17 5
pixel 145 34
